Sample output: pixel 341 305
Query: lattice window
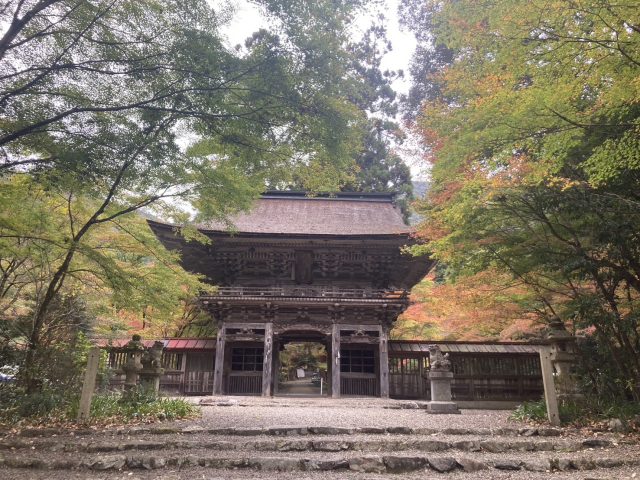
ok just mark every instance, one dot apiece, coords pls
pixel 357 361
pixel 245 359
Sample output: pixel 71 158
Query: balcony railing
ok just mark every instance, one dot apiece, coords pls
pixel 296 291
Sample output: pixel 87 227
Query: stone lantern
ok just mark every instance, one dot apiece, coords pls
pixel 440 376
pixel 563 358
pixel 134 349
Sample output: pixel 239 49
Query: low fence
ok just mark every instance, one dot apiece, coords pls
pixel 481 371
pixel 361 385
pixel 244 383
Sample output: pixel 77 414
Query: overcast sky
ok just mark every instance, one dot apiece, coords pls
pixel 247 19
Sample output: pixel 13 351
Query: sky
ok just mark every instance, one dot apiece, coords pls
pixel 247 19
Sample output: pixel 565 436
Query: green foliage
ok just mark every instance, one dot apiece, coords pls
pixel 119 265
pixel 530 412
pixel 311 356
pixel 137 408
pixel 533 127
pixel 59 366
pixel 586 412
pixel 379 169
pixel 49 406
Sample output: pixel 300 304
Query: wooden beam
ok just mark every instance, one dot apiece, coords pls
pixel 550 395
pixel 250 326
pixel 362 326
pixel 267 365
pixel 335 361
pixel 384 365
pixel 218 371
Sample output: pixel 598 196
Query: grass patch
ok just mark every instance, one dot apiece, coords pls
pixel 589 412
pixel 530 412
pixel 114 408
pixel 49 408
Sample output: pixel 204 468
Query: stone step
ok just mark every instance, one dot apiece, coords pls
pixel 294 431
pixel 313 443
pixel 380 464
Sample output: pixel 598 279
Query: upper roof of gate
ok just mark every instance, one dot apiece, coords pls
pixel 295 213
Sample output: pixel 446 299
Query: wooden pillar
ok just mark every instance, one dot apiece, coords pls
pixel 548 381
pixel 335 361
pixel 421 378
pixel 183 375
pixel 384 364
pixel 89 384
pixel 276 365
pixel 327 383
pixel 267 365
pixel 218 371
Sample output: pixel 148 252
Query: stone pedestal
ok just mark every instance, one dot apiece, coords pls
pixel 441 393
pixel 152 369
pixel 440 376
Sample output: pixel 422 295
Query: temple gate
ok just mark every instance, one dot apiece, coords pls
pixel 295 268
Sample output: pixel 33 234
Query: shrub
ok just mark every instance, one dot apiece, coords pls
pixel 51 407
pixel 530 412
pixel 587 411
pixel 112 407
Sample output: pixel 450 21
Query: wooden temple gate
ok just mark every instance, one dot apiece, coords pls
pixel 247 357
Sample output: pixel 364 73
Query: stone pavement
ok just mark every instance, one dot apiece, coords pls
pixel 302 386
pixel 292 438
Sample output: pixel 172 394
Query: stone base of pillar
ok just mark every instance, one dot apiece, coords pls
pixel 442 407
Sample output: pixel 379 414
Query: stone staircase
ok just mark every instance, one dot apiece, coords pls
pixel 186 452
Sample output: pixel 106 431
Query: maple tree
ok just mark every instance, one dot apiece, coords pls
pixel 488 305
pixel 130 105
pixel 119 274
pixel 534 134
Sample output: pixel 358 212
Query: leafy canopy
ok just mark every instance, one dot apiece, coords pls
pixel 533 132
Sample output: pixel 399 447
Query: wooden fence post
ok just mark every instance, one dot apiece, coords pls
pixel 550 395
pixel 89 384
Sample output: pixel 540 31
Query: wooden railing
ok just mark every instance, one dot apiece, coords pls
pixel 407 377
pixel 198 382
pixel 244 383
pixel 294 291
pixel 476 377
pixel 364 386
pixel 492 388
pixel 171 380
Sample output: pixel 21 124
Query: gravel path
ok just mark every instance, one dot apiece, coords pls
pixel 348 412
